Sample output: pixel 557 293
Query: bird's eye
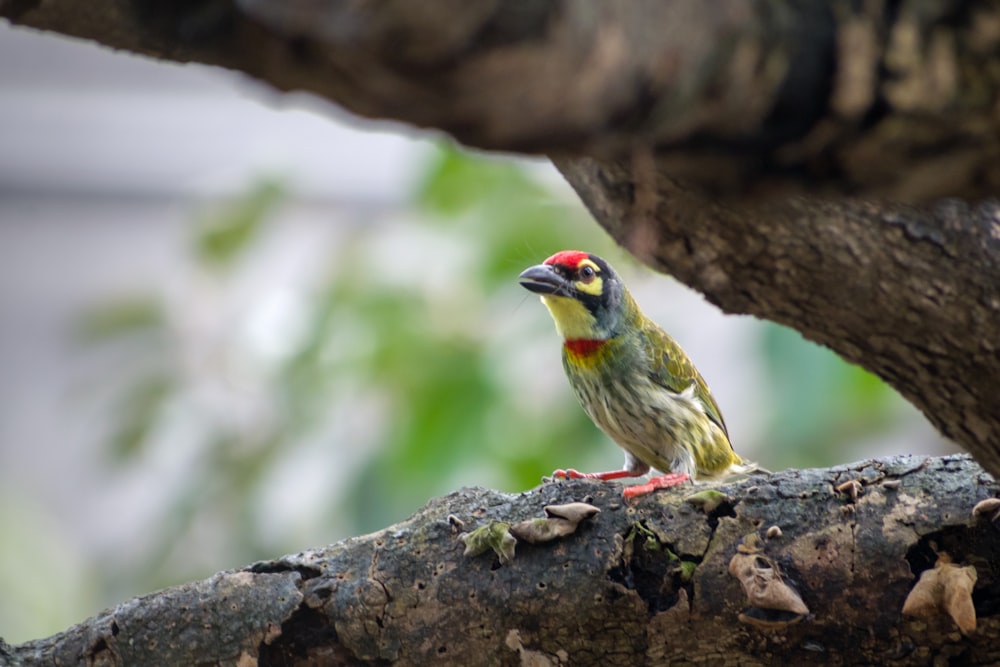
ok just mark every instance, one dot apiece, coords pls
pixel 587 274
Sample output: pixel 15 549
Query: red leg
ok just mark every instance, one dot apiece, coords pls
pixel 576 474
pixel 661 482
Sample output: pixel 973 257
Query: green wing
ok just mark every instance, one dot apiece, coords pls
pixel 671 369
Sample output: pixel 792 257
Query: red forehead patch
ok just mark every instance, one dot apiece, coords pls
pixel 568 258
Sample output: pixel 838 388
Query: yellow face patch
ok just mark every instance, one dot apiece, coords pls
pixel 573 320
pixel 590 278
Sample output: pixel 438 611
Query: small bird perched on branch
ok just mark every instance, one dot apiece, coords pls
pixel 632 378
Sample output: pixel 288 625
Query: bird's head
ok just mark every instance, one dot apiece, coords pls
pixel 584 295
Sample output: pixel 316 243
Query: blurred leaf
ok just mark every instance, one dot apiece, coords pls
pixel 126 317
pixel 469 189
pixel 227 234
pixel 139 413
pixel 457 181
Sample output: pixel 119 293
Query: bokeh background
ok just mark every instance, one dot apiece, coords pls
pixel 235 325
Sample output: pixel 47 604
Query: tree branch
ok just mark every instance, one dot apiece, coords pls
pixel 894 100
pixel 656 579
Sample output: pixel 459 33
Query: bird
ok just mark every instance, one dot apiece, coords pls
pixel 633 380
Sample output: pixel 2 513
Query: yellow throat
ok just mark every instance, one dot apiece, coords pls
pixel 573 320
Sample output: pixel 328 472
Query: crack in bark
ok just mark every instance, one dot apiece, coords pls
pixel 854 545
pixel 306 631
pixel 372 569
pixel 280 566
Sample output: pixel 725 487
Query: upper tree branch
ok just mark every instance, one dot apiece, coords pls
pixel 777 156
pixel 894 99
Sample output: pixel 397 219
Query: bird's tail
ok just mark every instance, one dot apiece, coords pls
pixel 741 470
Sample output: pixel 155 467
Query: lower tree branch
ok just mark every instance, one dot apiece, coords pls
pixel 682 575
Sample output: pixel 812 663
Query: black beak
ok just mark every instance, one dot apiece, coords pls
pixel 543 279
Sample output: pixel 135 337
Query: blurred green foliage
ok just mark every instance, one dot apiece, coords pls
pixel 418 319
pixel 140 315
pixel 45 575
pixel 821 403
pixel 413 330
pixel 225 236
pixel 451 410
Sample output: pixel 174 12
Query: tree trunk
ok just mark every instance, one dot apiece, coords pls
pixel 657 582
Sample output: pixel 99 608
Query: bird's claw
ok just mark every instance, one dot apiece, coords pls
pixel 570 474
pixel 661 482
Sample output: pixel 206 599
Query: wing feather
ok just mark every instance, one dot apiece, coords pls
pixel 671 368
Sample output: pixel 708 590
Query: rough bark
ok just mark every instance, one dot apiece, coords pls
pixel 759 152
pixel 643 584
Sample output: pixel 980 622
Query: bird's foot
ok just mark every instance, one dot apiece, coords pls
pixel 661 482
pixel 576 474
pixel 572 474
